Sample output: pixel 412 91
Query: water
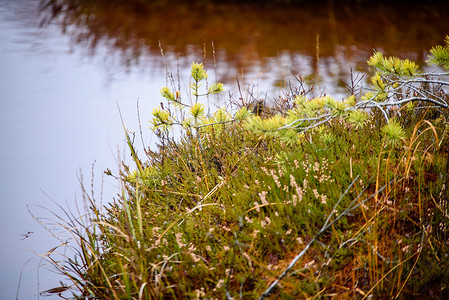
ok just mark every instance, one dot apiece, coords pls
pixel 61 84
pixel 58 114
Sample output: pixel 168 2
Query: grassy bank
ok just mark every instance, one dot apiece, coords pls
pixel 298 199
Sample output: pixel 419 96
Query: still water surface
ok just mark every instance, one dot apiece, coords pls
pixel 64 70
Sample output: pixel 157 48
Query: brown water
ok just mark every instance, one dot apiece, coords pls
pixel 63 70
pixel 265 43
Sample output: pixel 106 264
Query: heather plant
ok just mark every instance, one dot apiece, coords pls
pixel 320 198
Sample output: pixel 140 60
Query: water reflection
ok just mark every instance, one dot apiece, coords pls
pixel 58 114
pixel 316 41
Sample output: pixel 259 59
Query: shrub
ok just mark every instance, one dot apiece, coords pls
pixel 319 198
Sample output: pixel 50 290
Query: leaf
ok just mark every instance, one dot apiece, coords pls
pixel 197 110
pixel 393 132
pixel 167 94
pixel 358 119
pixel 197 71
pixel 216 88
